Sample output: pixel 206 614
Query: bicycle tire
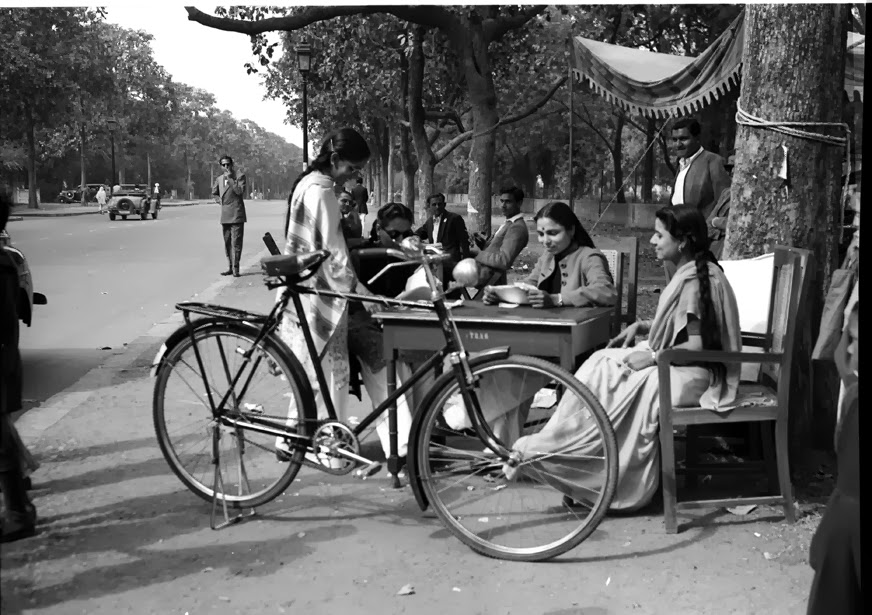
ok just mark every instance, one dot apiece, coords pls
pixel 457 449
pixel 285 387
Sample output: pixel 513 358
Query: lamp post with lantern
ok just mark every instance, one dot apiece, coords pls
pixel 304 62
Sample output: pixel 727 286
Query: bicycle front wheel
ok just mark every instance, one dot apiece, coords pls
pixel 253 471
pixel 565 476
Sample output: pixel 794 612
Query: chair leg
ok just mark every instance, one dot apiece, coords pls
pixel 667 479
pixel 781 453
pixel 767 441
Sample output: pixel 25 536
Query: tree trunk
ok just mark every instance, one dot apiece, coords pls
pixel 148 170
pixel 391 156
pixel 483 100
pixel 32 202
pixel 83 181
pixel 409 168
pixel 648 165
pixel 618 157
pixel 793 68
pixel 426 159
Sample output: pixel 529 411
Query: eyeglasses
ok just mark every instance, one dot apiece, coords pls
pixel 226 164
pixel 397 234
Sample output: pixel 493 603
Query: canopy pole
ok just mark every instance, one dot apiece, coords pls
pixel 571 120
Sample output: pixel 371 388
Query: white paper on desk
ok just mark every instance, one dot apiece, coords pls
pixel 503 304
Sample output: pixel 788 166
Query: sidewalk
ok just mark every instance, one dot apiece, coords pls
pixel 118 532
pixel 57 210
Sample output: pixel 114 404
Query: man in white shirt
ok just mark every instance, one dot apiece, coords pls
pixel 499 252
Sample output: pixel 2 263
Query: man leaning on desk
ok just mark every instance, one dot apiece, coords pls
pixel 446 228
pixel 496 255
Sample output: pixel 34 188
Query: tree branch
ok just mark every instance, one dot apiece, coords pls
pixel 494 29
pixel 433 115
pixel 425 15
pixel 456 141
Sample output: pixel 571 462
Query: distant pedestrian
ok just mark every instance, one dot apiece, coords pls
pixel 156 196
pixel 361 196
pixel 101 198
pixel 228 190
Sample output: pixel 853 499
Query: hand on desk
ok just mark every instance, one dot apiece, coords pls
pixel 539 298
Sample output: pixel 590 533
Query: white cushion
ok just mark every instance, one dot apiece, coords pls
pixel 751 280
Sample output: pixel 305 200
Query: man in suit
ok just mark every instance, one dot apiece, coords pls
pixel 446 228
pixel 701 178
pixel 497 254
pixel 228 190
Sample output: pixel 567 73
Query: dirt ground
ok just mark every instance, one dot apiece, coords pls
pixel 118 532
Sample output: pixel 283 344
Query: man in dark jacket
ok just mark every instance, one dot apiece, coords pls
pixel 19 519
pixel 228 190
pixel 361 196
pixel 448 229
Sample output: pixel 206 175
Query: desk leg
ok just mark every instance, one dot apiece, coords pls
pixel 393 458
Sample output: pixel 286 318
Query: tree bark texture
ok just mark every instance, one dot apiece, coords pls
pixel 618 157
pixel 409 168
pixel 648 164
pixel 391 156
pixel 793 69
pixel 426 159
pixel 82 180
pixel 483 100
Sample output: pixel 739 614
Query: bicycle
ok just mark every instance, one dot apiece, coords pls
pixel 228 410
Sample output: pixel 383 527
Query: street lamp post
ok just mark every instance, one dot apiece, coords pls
pixel 113 124
pixel 304 61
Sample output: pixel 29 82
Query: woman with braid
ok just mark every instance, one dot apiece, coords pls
pixel 697 310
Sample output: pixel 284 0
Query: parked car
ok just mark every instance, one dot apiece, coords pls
pixel 26 298
pixel 75 195
pixel 132 200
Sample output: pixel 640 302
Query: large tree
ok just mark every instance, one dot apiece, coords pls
pixel 793 69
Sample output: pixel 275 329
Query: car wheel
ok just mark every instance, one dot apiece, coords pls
pixel 124 217
pixel 111 216
pixel 154 216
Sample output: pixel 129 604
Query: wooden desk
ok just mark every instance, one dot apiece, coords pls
pixel 563 333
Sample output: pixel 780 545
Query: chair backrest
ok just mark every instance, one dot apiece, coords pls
pixel 628 247
pixel 615 260
pixel 787 287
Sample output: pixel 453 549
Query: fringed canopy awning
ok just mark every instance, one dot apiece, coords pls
pixel 663 85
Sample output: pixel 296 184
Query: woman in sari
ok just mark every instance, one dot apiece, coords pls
pixel 697 310
pixel 314 224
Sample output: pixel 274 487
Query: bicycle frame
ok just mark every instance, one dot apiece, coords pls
pixel 453 350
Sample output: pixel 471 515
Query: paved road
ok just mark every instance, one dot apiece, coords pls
pixel 109 282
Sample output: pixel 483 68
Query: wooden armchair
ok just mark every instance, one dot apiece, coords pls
pixel 618 251
pixel 764 401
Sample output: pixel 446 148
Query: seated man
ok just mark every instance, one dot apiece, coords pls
pixel 449 230
pixel 497 254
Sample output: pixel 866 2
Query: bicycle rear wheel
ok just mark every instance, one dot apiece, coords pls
pixel 527 517
pixel 251 470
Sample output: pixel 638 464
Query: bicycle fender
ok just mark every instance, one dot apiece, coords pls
pixel 310 413
pixel 492 354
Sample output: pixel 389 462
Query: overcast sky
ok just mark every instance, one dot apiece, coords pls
pixel 205 58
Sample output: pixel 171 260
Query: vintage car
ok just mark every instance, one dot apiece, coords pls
pixel 75 194
pixel 132 200
pixel 26 298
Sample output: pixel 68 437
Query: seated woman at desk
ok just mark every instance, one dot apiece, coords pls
pixel 571 271
pixel 697 310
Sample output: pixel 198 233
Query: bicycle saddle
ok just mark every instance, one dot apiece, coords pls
pixel 290 265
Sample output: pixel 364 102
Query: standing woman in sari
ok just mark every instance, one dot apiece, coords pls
pixel 697 310
pixel 314 224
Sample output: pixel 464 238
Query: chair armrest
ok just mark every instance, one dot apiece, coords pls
pixel 675 355
pixel 754 340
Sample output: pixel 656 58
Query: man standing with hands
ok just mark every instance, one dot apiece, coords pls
pixel 449 230
pixel 228 190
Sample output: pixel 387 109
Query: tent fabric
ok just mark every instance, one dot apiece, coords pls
pixel 663 85
pixel 660 84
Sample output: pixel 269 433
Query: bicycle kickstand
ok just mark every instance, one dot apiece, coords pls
pixel 218 482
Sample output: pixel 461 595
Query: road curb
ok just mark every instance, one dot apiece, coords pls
pixel 33 423
pixel 60 214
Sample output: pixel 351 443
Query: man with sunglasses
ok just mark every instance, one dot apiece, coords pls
pixel 228 190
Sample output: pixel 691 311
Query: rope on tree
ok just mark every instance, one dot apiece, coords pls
pixel 792 129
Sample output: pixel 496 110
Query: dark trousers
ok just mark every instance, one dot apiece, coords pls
pixel 233 244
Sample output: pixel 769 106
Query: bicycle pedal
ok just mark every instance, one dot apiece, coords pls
pixel 368 470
